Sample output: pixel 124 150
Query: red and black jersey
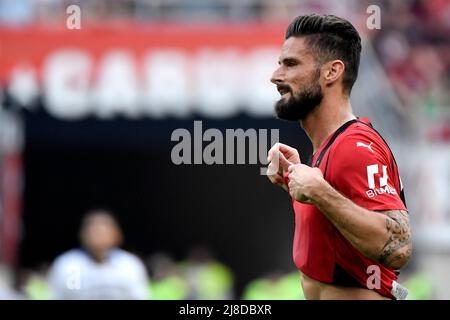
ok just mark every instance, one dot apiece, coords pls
pixel 357 162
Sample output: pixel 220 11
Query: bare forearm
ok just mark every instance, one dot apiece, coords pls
pixel 358 225
pixel 383 237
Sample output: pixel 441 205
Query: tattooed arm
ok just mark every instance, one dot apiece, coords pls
pixel 383 236
pixel 398 229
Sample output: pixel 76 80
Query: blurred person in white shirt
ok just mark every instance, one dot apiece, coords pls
pixel 99 269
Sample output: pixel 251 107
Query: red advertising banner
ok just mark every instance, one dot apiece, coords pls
pixel 33 44
pixel 143 70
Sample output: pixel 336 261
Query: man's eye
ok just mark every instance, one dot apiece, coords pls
pixel 291 63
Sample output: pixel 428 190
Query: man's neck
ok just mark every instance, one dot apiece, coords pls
pixel 98 256
pixel 325 119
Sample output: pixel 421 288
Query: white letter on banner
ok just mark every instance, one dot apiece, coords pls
pixel 66 84
pixel 116 91
pixel 259 93
pixel 166 83
pixel 216 82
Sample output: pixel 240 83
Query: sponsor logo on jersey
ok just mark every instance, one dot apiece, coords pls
pixel 382 186
pixel 368 146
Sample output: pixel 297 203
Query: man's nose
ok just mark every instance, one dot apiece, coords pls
pixel 277 76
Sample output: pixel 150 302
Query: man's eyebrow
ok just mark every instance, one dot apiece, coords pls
pixel 288 60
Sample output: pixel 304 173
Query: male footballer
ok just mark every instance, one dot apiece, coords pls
pixel 352 231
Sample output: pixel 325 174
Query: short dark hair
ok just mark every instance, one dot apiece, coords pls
pixel 330 37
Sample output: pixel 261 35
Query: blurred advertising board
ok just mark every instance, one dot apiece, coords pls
pixel 143 71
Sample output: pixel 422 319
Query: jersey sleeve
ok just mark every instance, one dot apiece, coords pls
pixel 362 168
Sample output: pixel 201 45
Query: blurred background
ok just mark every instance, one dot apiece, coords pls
pixel 86 118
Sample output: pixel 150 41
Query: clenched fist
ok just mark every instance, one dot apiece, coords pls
pixel 304 181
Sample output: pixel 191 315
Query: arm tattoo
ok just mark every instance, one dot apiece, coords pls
pixel 399 237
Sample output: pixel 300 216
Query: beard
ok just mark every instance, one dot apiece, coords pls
pixel 300 104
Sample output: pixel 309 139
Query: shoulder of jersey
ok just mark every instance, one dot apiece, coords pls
pixel 123 255
pixel 73 255
pixel 361 138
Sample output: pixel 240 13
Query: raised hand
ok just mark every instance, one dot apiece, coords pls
pixel 280 157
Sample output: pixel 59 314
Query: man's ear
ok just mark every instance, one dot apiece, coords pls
pixel 333 71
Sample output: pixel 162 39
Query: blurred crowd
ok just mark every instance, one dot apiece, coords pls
pixel 47 11
pixel 99 269
pixel 413 44
pixel 414 48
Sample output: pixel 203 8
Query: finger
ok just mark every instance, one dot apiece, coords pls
pixel 287 150
pixel 284 163
pixel 275 180
pixel 272 151
pixel 273 171
pixel 278 180
pixel 273 168
pixel 292 167
pixel 277 147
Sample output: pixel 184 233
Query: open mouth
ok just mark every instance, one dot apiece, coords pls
pixel 283 90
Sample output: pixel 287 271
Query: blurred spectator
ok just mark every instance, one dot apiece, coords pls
pixel 99 270
pixel 413 46
pixel 275 286
pixel 7 291
pixel 417 281
pixel 419 286
pixel 206 277
pixel 36 286
pixel 167 282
